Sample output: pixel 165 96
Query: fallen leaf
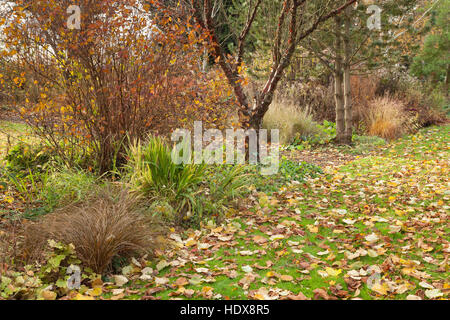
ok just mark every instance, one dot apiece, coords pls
pixel 300 296
pixel 120 280
pixel 181 282
pixel 161 265
pixel 286 278
pixel 49 295
pixel 434 293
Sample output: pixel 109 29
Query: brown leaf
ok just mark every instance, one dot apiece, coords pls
pixel 259 239
pixel 247 280
pixel 321 293
pixel 300 296
pixel 286 277
pixel 181 282
pixel 188 293
pixel 154 290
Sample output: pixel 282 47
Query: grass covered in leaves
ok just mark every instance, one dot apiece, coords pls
pixel 374 228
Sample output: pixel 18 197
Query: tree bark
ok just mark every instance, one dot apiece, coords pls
pixel 447 80
pixel 340 110
pixel 338 86
pixel 348 103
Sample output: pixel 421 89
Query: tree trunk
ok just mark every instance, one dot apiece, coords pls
pixel 340 110
pixel 348 106
pixel 338 86
pixel 447 80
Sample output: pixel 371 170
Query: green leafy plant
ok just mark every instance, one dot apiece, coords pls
pixel 153 174
pixel 64 186
pixel 298 171
pixel 224 185
pixel 22 157
pixel 326 132
pixel 58 259
pixel 46 279
pixel 289 171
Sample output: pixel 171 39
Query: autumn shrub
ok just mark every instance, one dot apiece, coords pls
pixel 424 100
pixel 101 228
pixel 426 103
pixel 290 120
pixel 387 118
pixel 364 90
pixel 128 71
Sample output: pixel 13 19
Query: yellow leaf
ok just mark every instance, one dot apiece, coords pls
pixel 79 296
pixel 259 296
pixel 380 288
pixel 95 292
pixel 332 272
pixel 191 243
pixel 207 290
pixel 9 199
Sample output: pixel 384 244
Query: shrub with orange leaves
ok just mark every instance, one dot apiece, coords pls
pixel 129 70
